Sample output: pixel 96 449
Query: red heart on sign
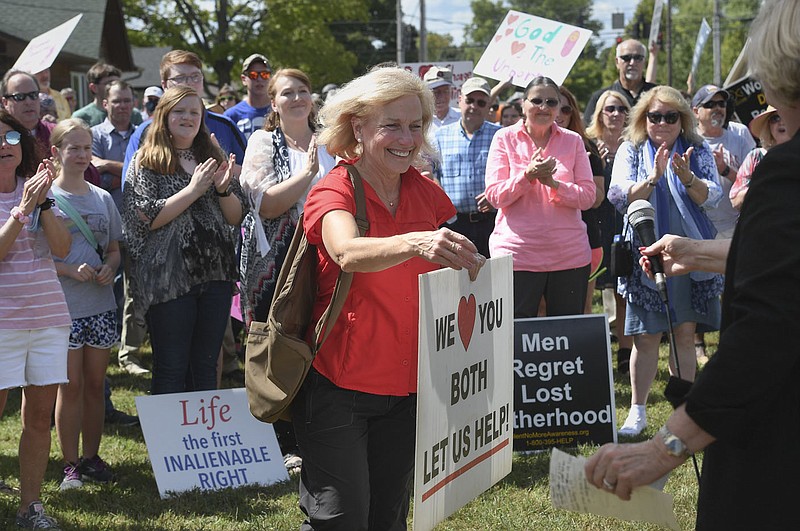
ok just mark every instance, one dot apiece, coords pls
pixel 517 47
pixel 512 19
pixel 466 319
pixel 508 31
pixel 497 38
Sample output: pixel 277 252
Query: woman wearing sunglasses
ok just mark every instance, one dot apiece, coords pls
pixel 34 318
pixel 538 177
pixel 664 161
pixel 227 97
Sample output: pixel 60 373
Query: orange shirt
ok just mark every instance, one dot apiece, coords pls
pixel 373 345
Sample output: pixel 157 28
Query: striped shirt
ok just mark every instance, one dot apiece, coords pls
pixel 30 294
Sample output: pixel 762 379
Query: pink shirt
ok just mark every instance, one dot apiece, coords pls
pixel 539 226
pixel 30 293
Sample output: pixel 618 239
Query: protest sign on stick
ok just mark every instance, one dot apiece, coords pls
pixel 43 49
pixel 465 388
pixel 526 46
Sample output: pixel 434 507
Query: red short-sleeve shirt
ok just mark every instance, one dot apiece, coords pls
pixel 373 345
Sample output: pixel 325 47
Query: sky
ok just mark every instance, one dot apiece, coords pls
pixel 451 16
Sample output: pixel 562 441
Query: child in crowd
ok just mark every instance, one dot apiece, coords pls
pixel 87 277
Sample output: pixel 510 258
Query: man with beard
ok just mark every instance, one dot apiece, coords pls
pixel 631 83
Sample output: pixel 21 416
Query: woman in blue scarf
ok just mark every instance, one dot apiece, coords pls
pixel 664 161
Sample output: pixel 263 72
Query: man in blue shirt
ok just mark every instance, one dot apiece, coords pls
pixel 464 150
pixel 180 67
pixel 110 138
pixel 250 114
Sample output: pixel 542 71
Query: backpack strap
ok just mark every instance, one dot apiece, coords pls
pixel 344 279
pixel 65 206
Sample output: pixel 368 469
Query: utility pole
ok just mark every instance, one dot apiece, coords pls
pixel 669 42
pixel 399 32
pixel 423 33
pixel 716 36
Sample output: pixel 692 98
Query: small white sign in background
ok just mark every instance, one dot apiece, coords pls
pixel 526 46
pixel 465 390
pixel 43 49
pixel 208 440
pixel 462 71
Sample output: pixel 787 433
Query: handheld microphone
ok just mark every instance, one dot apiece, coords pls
pixel 641 217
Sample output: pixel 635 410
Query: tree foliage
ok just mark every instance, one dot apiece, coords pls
pixel 291 33
pixel 487 15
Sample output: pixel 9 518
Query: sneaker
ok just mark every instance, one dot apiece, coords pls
pixel 95 469
pixel 292 462
pixel 635 423
pixel 115 416
pixel 134 368
pixel 5 488
pixel 72 477
pixel 35 518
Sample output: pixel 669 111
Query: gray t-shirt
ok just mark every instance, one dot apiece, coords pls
pixel 97 209
pixel 736 148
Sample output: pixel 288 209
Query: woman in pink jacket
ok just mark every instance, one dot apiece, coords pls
pixel 538 177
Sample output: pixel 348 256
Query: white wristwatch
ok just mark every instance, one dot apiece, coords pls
pixel 675 446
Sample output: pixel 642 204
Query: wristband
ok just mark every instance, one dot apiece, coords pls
pixel 226 193
pixel 690 183
pixel 47 204
pixel 726 171
pixel 19 215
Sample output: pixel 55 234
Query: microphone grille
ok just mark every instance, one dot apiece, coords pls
pixel 640 210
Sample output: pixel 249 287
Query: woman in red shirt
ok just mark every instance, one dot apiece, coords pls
pixel 355 415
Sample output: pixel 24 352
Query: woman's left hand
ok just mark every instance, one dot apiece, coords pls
pixel 105 275
pixel 222 177
pixel 619 468
pixel 680 165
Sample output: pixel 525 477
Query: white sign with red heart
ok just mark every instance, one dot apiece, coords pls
pixel 526 46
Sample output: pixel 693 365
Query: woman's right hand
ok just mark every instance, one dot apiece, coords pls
pixel 539 168
pixel 447 248
pixel 36 187
pixel 311 167
pixel 82 273
pixel 660 162
pixel 203 176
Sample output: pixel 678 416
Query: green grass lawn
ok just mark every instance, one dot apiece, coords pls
pixel 520 502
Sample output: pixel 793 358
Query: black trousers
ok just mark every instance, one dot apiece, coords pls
pixel 563 291
pixel 477 226
pixel 358 457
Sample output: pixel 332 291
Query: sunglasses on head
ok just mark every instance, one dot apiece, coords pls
pixel 550 102
pixel 255 75
pixel 11 138
pixel 479 103
pixel 715 103
pixel 656 117
pixel 628 56
pixel 20 96
pixel 619 108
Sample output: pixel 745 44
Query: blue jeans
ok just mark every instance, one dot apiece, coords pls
pixel 186 334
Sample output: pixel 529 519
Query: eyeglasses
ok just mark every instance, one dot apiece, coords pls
pixel 20 96
pixel 566 109
pixel 197 77
pixel 637 57
pixel 479 103
pixel 775 118
pixel 656 117
pixel 255 75
pixel 226 98
pixel 11 138
pixel 550 102
pixel 619 108
pixel 715 103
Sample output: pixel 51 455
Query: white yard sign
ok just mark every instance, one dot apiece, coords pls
pixel 208 440
pixel 466 388
pixel 462 71
pixel 526 46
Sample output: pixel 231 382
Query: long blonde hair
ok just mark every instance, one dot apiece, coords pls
pixel 636 130
pixel 158 153
pixel 597 127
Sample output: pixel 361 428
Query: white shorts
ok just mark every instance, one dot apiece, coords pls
pixel 33 357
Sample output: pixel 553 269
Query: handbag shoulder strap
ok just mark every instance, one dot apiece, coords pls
pixel 344 279
pixel 65 206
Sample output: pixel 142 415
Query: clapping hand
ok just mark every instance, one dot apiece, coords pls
pixel 36 187
pixel 541 168
pixel 680 165
pixel 203 176
pixel 224 173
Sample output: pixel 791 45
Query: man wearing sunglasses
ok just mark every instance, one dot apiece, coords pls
pixel 630 63
pixel 709 104
pixel 250 114
pixel 464 150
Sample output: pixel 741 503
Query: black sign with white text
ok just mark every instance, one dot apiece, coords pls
pixel 563 384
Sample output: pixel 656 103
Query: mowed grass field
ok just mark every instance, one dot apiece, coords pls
pixel 519 502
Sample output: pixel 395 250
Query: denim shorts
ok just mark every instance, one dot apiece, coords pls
pixel 96 331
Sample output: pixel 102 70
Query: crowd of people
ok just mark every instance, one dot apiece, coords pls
pixel 120 223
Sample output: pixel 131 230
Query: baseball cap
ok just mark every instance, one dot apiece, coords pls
pixel 474 84
pixel 153 91
pixel 253 58
pixel 706 93
pixel 438 76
